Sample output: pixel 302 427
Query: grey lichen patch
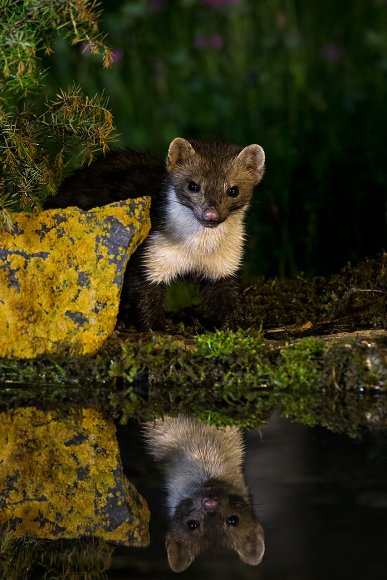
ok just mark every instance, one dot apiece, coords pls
pixel 84 279
pixel 76 440
pixel 45 228
pixel 11 274
pixel 114 515
pixel 79 318
pixel 17 230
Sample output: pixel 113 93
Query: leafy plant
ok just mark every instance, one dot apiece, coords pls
pixel 37 134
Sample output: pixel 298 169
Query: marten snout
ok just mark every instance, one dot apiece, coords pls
pixel 210 504
pixel 211 216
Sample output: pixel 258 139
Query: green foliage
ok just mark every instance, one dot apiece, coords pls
pixel 35 145
pixel 28 29
pixel 299 364
pixel 37 134
pixel 330 384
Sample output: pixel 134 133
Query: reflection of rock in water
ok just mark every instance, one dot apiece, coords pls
pixel 61 478
pixel 320 497
pixel 63 494
pixel 209 505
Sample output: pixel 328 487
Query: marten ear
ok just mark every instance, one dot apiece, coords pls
pixel 253 159
pixel 252 547
pixel 179 555
pixel 179 152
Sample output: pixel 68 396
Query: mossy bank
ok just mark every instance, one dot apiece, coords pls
pixel 224 377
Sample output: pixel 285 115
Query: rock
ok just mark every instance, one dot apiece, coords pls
pixel 61 274
pixel 61 478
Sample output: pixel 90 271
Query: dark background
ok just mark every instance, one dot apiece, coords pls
pixel 306 80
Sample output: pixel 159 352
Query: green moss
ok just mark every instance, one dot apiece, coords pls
pixel 332 384
pixel 224 377
pixel 225 343
pixel 298 377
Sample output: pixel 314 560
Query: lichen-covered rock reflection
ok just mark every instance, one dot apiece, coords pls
pixel 61 478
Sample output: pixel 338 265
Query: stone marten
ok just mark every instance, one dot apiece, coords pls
pixel 200 195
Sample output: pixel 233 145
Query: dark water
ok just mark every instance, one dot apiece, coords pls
pixel 322 499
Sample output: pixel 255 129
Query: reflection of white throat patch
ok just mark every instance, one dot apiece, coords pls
pixel 186 247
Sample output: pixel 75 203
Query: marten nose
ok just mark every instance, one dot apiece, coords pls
pixel 210 504
pixel 211 215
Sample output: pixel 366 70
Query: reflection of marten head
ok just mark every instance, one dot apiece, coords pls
pixel 216 517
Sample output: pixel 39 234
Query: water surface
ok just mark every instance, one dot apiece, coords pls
pixel 321 497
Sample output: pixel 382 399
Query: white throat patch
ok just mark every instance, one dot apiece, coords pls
pixel 186 247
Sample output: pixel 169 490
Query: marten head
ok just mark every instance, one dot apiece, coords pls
pixel 215 179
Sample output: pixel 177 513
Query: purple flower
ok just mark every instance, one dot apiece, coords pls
pixel 86 49
pixel 156 5
pixel 332 52
pixel 214 41
pixel 117 55
pixel 221 3
pixel 281 20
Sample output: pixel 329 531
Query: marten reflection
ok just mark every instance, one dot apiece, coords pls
pixel 209 505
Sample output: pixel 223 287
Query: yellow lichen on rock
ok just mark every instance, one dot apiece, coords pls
pixel 61 274
pixel 61 477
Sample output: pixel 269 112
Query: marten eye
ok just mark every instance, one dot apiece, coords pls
pixel 233 520
pixel 233 191
pixel 193 186
pixel 192 524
